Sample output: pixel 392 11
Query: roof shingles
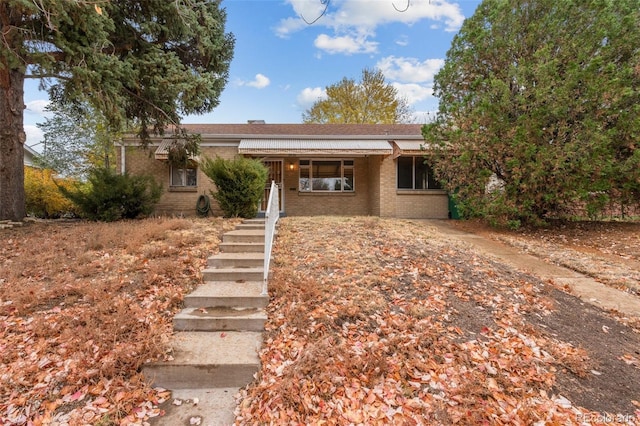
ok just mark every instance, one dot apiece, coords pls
pixel 308 130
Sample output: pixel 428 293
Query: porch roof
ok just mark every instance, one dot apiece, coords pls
pixel 411 147
pixel 162 152
pixel 315 147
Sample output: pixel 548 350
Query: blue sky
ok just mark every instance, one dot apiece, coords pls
pixel 282 64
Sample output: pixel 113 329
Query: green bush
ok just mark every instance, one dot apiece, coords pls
pixel 240 183
pixel 109 196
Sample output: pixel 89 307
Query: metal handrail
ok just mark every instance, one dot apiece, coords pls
pixel 271 217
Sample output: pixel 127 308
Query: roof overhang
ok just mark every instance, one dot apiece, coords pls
pixel 408 147
pixel 162 152
pixel 314 147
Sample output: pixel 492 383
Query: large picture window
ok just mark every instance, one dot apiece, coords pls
pixel 413 173
pixel 184 176
pixel 326 176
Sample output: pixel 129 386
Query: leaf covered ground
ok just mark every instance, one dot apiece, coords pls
pixel 376 321
pixel 83 306
pixel 370 321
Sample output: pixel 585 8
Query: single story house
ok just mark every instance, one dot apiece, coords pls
pixel 320 169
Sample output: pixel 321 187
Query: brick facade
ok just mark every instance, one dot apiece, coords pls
pixel 327 203
pixel 174 201
pixel 374 176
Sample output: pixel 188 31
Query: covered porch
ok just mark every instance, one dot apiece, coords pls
pixel 323 177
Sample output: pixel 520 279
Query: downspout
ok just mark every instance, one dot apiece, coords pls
pixel 123 168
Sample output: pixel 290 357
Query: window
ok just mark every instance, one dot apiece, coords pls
pixel 413 173
pixel 186 177
pixel 326 175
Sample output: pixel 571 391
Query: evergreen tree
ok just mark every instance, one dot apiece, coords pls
pixel 146 60
pixel 540 109
pixel 239 184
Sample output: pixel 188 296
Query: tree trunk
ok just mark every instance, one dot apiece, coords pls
pixel 12 138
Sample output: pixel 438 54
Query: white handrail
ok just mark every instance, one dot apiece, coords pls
pixel 271 216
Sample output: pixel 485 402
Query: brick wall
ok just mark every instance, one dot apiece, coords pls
pixel 375 189
pixel 408 204
pixel 422 205
pixel 374 162
pixel 388 187
pixel 174 201
pixel 327 203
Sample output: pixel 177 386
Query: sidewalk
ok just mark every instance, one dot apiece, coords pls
pixel 586 288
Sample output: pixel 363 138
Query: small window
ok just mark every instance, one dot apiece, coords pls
pixel 413 173
pixel 326 176
pixel 185 177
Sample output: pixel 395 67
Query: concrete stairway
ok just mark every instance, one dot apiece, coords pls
pixel 218 333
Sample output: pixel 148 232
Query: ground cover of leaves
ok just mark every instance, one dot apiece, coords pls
pixel 375 321
pixel 83 306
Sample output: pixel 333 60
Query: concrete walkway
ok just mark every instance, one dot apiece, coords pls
pixel 586 288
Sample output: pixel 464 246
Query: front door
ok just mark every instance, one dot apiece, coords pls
pixel 275 168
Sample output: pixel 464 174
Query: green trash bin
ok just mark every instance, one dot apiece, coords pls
pixel 453 208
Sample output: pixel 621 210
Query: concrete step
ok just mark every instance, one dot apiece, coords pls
pixel 242 247
pixel 227 293
pixel 239 260
pixel 244 236
pixel 245 226
pixel 220 318
pixel 212 407
pixel 208 360
pixel 254 220
pixel 233 274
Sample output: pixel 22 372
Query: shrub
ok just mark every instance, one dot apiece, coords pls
pixel 42 197
pixel 240 184
pixel 109 196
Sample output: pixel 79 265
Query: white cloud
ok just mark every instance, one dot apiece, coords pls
pixel 345 44
pixel 259 82
pixel 288 26
pixel 409 70
pixel 413 92
pixel 364 16
pixel 424 117
pixel 34 136
pixel 38 107
pixel 402 40
pixel 311 95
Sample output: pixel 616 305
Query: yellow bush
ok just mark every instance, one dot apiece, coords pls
pixel 42 196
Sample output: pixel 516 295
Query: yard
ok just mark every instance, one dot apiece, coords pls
pixel 384 322
pixel 370 321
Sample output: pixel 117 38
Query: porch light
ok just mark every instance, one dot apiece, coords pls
pixel 292 166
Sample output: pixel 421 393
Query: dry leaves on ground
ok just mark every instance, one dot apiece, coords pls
pixel 83 306
pixel 376 321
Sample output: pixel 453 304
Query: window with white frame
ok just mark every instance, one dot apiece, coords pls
pixel 413 173
pixel 335 175
pixel 186 176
